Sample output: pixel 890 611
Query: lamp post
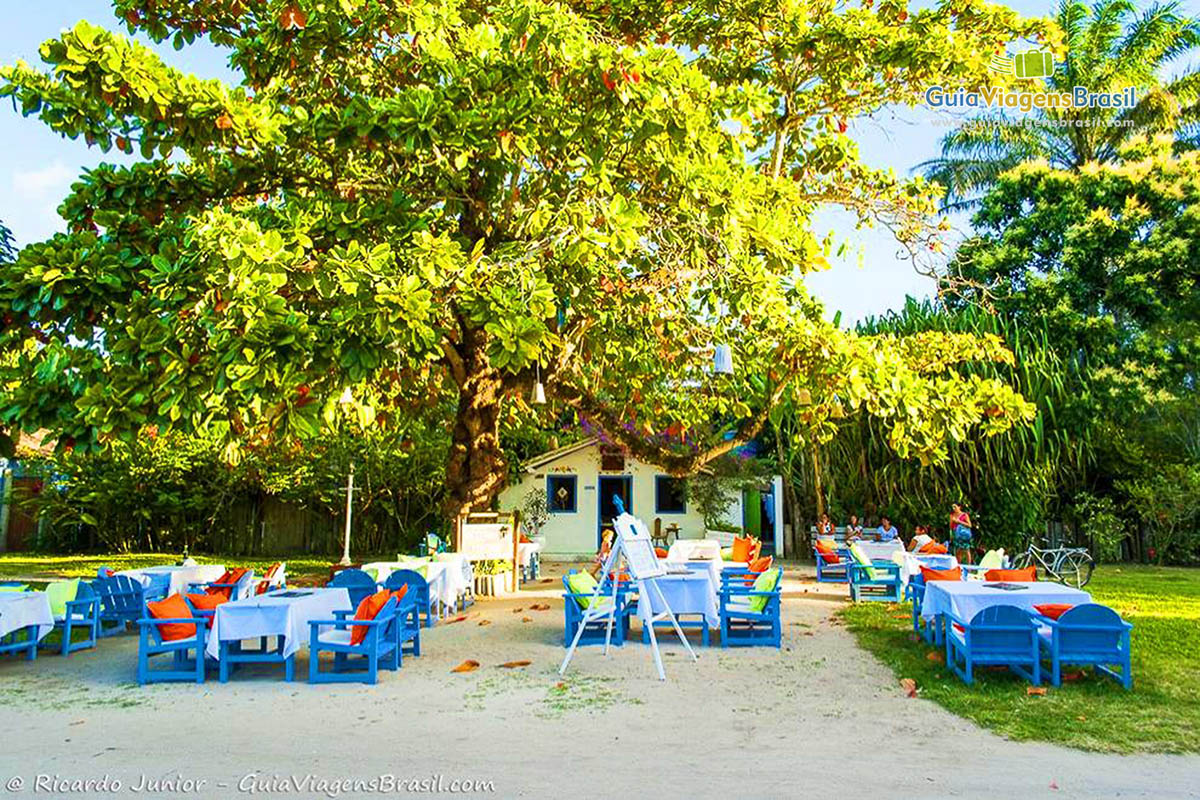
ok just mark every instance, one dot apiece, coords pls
pixel 345 562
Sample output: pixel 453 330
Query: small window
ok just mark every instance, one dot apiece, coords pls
pixel 560 494
pixel 670 495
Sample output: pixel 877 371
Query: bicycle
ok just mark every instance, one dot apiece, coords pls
pixel 1067 565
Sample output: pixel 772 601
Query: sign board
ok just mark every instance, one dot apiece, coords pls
pixel 491 537
pixel 638 548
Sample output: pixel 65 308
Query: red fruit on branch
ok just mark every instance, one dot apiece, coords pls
pixel 609 83
pixel 303 390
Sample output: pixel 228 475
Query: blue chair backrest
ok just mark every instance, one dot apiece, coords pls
pixel 415 581
pixel 85 592
pixel 357 583
pixel 156 632
pixel 119 594
pixel 1090 628
pixel 999 629
pixel 104 572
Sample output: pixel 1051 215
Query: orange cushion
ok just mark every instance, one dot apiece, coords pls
pixel 231 576
pixel 760 564
pixel 828 552
pixel 202 601
pixel 399 593
pixel 368 608
pixel 742 547
pixel 933 548
pixel 264 585
pixel 941 574
pixel 525 539
pixel 1014 575
pixel 660 552
pixel 1053 610
pixel 174 607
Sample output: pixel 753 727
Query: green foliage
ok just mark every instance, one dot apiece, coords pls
pixel 1168 499
pixel 1110 46
pixel 714 491
pixel 419 205
pixel 534 512
pixel 1160 715
pixel 1099 519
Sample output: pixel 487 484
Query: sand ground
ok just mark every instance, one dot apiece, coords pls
pixel 819 719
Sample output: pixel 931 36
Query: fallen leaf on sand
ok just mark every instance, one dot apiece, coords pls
pixel 526 619
pixel 456 619
pixel 1035 691
pixel 470 665
pixel 483 622
pixel 79 722
pixel 909 686
pixel 546 580
pixel 539 607
pixel 518 610
pixel 515 664
pixel 809 633
pixel 936 657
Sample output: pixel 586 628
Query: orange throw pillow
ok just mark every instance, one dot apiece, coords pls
pixel 941 574
pixel 231 576
pixel 1026 575
pixel 934 549
pixel 368 608
pixel 399 593
pixel 742 548
pixel 828 552
pixel 660 552
pixel 206 602
pixel 761 564
pixel 174 607
pixel 1053 610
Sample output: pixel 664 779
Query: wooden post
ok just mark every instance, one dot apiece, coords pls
pixel 6 479
pixel 516 559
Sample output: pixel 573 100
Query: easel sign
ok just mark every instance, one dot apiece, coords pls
pixel 491 537
pixel 634 547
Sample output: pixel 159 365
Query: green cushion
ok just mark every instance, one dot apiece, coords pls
pixel 374 573
pixel 727 554
pixel 857 553
pixel 764 583
pixel 20 588
pixel 59 593
pixel 582 583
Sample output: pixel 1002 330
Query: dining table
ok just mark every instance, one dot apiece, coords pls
pixel 965 599
pixel 443 577
pixel 169 579
pixel 282 614
pixel 20 610
pixel 686 593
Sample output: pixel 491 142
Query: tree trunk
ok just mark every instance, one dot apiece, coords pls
pixel 475 469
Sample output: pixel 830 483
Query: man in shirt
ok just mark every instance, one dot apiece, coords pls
pixel 886 531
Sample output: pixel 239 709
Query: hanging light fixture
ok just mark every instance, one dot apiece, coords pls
pixel 539 391
pixel 723 360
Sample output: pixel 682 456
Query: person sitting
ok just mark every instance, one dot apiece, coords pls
pixel 854 529
pixel 887 531
pixel 920 539
pixel 824 527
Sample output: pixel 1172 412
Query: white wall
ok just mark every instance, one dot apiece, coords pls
pixel 570 536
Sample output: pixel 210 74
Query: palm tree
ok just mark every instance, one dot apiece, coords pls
pixel 8 251
pixel 1110 47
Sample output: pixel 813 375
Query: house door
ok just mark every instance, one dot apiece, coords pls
pixel 609 486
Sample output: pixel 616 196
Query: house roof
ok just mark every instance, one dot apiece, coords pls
pixel 550 456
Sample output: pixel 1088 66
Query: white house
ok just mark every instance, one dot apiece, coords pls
pixel 581 479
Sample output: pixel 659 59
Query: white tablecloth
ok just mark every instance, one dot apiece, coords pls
pixel 271 614
pixel 965 599
pixel 178 577
pixel 880 551
pixel 685 594
pixel 19 609
pixel 913 563
pixel 694 550
pixel 460 575
pixel 438 574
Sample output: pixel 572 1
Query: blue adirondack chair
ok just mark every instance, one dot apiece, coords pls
pixel 873 580
pixel 240 589
pixel 915 593
pixel 749 615
pixel 997 636
pixel 122 601
pixel 832 573
pixel 357 583
pixel 595 631
pixel 186 655
pixel 383 645
pixel 1088 635
pixel 418 590
pixel 81 614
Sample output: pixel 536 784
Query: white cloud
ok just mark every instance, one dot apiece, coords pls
pixel 54 179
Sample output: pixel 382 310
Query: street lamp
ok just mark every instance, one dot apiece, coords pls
pixel 347 399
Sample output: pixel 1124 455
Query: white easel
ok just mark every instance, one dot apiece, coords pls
pixel 632 543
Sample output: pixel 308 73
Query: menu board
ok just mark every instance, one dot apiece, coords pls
pixel 637 547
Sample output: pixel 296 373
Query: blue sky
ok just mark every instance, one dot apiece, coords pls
pixel 37 166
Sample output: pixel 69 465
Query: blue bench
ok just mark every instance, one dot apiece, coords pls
pixel 1088 635
pixel 997 636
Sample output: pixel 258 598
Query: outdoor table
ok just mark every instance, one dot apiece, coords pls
pixel 436 573
pixel 283 613
pixel 881 551
pixel 173 579
pixel 965 599
pixel 694 550
pixel 914 561
pixel 460 575
pixel 21 611
pixel 686 593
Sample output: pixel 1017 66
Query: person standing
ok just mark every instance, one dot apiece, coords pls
pixel 961 533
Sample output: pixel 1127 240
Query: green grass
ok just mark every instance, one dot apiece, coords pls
pixel 42 567
pixel 1160 715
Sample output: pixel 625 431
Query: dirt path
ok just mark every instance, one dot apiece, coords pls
pixel 819 718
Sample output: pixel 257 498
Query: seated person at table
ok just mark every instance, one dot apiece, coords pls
pixel 606 543
pixel 854 529
pixel 887 531
pixel 920 538
pixel 824 527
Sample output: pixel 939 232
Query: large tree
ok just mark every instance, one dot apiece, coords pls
pixel 406 199
pixel 1110 46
